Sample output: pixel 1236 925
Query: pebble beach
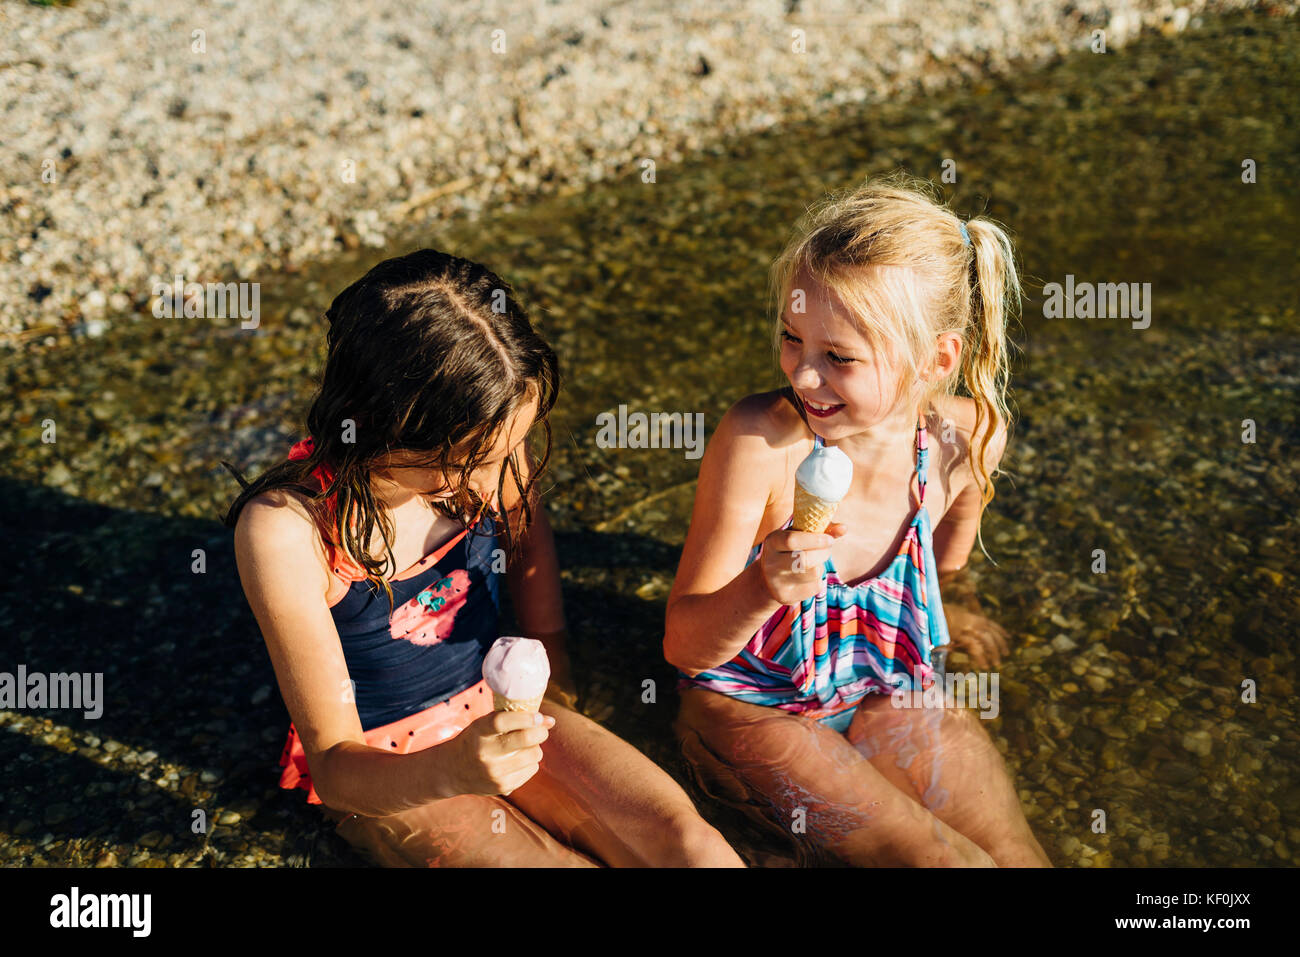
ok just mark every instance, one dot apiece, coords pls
pixel 220 141
pixel 1122 691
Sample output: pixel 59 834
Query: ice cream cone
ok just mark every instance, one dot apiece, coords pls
pixel 517 673
pixel 811 514
pixel 501 703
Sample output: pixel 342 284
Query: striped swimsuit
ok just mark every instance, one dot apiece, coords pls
pixel 821 659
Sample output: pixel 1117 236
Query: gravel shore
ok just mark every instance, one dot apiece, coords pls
pixel 1123 691
pixel 223 141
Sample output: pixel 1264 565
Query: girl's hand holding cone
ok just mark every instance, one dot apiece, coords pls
pixel 498 752
pixel 792 562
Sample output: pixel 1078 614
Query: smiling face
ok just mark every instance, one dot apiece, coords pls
pixel 398 483
pixel 845 383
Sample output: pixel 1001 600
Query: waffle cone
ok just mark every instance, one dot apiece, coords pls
pixel 501 703
pixel 811 514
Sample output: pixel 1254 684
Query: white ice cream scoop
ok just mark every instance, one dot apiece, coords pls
pixel 826 474
pixel 517 668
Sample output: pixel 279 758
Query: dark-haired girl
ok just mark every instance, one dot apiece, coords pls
pixel 371 559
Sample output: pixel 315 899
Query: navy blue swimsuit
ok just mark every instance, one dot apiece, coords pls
pixel 445 618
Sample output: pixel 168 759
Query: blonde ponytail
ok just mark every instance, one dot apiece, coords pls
pixel 995 298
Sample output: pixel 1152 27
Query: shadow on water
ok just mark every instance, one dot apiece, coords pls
pixel 117 593
pixel 114 591
pixel 1124 690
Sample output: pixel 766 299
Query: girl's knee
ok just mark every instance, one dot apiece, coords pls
pixel 1018 853
pixel 947 854
pixel 934 853
pixel 690 841
pixel 935 850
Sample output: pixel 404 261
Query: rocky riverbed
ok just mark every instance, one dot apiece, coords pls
pixel 222 141
pixel 1124 689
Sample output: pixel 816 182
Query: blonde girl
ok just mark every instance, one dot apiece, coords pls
pixel 791 644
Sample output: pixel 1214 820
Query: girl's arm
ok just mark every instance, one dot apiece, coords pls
pixel 283 568
pixel 969 630
pixel 533 577
pixel 714 607
pixel 954 536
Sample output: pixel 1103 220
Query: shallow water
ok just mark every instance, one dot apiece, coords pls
pixel 1123 690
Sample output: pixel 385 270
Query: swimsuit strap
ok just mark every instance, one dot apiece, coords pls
pixel 922 454
pixel 324 475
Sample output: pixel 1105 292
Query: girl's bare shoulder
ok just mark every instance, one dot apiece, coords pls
pixel 277 508
pixel 768 423
pixel 953 424
pixel 277 530
pixel 754 452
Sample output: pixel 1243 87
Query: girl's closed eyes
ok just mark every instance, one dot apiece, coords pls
pixel 786 336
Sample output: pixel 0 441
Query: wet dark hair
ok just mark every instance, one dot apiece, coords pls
pixel 428 354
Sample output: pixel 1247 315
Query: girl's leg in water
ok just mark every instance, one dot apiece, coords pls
pixel 470 830
pixel 947 762
pixel 600 794
pixel 813 785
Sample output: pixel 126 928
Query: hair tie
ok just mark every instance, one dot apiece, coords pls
pixel 965 236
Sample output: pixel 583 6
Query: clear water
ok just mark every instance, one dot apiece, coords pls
pixel 1117 168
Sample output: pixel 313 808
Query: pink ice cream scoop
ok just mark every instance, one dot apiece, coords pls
pixel 517 670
